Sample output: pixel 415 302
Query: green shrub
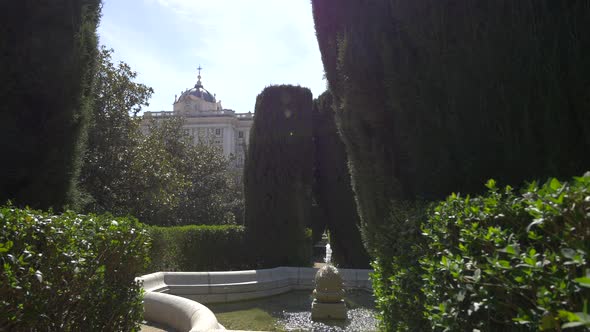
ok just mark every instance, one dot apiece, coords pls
pixel 198 248
pixel 508 262
pixel 70 272
pixel 397 279
pixel 204 248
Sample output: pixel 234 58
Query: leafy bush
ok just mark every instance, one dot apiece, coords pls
pixel 70 272
pixel 397 277
pixel 508 262
pixel 198 248
pixel 204 248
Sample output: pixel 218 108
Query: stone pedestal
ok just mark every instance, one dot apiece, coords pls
pixel 321 310
pixel 328 295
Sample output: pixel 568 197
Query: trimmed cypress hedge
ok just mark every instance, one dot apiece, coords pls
pixel 435 97
pixel 332 189
pixel 48 52
pixel 202 248
pixel 278 176
pixel 198 248
pixel 70 272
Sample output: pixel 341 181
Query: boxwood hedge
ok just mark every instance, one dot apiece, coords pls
pixel 506 261
pixel 503 261
pixel 205 248
pixel 198 248
pixel 70 272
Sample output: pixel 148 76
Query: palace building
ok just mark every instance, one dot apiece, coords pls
pixel 207 121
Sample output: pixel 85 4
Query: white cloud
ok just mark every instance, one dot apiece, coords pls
pixel 243 46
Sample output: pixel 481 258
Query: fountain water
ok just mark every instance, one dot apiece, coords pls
pixel 328 258
pixel 328 294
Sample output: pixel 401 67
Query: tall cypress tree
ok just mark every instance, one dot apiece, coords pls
pixel 437 96
pixel 278 176
pixel 332 188
pixel 48 51
pixel 434 97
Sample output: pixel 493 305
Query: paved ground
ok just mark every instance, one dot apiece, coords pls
pixel 153 327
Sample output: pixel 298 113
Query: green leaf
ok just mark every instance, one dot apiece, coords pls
pixel 5 247
pixel 548 323
pixel 477 275
pixel 491 184
pixel 568 252
pixel 568 316
pixel 583 281
pixel 554 184
pixel 572 324
pixel 509 250
pixel 444 261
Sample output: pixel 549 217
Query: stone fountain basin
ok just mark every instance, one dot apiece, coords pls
pixel 231 286
pixel 228 286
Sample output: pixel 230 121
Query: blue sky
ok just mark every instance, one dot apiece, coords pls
pixel 243 46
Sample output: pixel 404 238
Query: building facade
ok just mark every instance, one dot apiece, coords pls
pixel 208 122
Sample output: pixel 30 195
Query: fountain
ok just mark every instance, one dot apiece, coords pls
pixel 328 294
pixel 267 299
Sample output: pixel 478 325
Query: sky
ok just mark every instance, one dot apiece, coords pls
pixel 243 46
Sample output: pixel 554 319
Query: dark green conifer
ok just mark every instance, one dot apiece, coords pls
pixel 332 188
pixel 435 97
pixel 278 176
pixel 48 51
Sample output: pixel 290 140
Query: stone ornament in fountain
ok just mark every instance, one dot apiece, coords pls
pixel 328 294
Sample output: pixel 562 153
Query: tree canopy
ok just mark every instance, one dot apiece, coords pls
pixel 148 168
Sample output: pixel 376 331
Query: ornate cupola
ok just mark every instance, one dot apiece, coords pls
pixel 197 99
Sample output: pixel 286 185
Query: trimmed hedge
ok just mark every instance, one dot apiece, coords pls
pixel 498 262
pixel 436 97
pixel 278 176
pixel 332 189
pixel 204 248
pixel 70 272
pixel 198 248
pixel 48 54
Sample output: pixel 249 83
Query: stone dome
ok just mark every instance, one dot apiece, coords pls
pixel 198 92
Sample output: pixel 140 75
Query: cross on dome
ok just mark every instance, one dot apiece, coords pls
pixel 199 84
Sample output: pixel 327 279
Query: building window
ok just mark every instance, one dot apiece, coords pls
pixel 218 131
pixel 240 134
